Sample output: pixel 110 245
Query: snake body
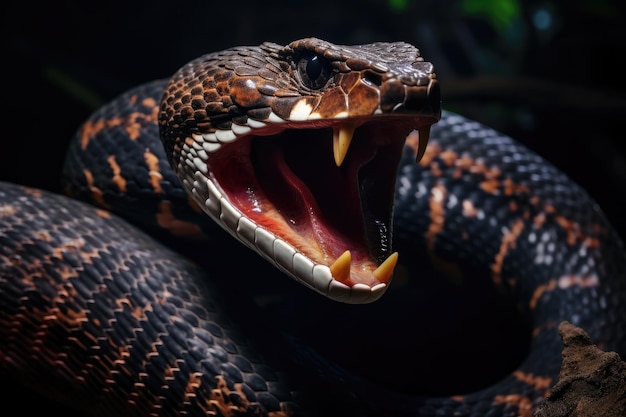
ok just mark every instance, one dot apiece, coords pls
pixel 98 313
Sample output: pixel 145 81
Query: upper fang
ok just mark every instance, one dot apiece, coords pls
pixel 423 134
pixel 342 136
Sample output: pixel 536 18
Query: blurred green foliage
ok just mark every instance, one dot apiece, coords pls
pixel 501 14
pixel 398 5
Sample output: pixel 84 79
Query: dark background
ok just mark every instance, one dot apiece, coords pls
pixel 547 73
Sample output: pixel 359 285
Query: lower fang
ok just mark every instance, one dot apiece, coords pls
pixel 340 269
pixel 384 272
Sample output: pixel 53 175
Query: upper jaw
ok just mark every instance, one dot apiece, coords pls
pixel 316 204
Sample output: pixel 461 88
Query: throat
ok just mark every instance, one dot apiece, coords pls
pixel 319 200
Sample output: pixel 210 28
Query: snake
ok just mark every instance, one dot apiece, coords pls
pixel 333 165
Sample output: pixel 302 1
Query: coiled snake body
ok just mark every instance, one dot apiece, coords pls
pixel 293 151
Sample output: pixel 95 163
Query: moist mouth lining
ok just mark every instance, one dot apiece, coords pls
pixel 341 208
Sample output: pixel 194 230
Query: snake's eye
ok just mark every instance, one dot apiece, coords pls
pixel 314 70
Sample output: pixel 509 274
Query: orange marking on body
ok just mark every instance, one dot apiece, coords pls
pixel 437 220
pixel 591 242
pixel 103 213
pixel 43 235
pixel 492 176
pixel 537 382
pixel 33 192
pixel 149 102
pixel 449 157
pixel 177 227
pixel 431 151
pixel 539 291
pixel 193 383
pixel 96 193
pixel 511 188
pixel 477 167
pixel 154 171
pixel 437 213
pixel 7 210
pixel 118 179
pixel 536 331
pixel 91 128
pixel 563 282
pixel 219 401
pixel 573 230
pixel 508 242
pixel 568 281
pixel 469 209
pixel 125 303
pixel 64 291
pixel 461 163
pixel 137 121
pixel 539 220
pixel 466 163
pixel 132 124
pixel 490 186
pixel 523 403
pixel 133 99
pixel 492 182
pixel 435 169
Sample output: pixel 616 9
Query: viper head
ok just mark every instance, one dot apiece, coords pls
pixel 294 150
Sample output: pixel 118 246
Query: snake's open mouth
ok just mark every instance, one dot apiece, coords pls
pixel 329 197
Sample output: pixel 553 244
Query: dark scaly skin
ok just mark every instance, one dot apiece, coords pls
pixel 82 312
pixel 548 250
pixel 115 163
pixel 467 169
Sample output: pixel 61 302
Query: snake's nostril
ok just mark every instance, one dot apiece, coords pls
pixel 372 78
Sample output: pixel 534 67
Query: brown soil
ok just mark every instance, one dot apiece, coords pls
pixel 592 382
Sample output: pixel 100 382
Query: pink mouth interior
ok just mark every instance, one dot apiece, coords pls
pixel 290 185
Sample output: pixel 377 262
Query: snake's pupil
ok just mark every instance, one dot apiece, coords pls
pixel 314 68
pixel 314 71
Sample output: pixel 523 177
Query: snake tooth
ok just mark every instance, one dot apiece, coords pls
pixel 340 269
pixel 422 137
pixel 342 136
